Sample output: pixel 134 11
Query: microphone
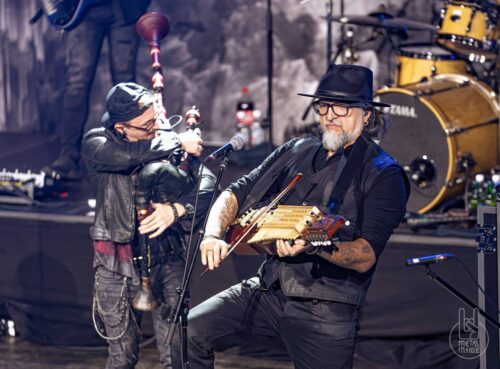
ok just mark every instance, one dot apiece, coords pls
pixel 439 258
pixel 236 143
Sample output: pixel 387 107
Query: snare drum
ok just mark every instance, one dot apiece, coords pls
pixel 438 127
pixel 470 28
pixel 416 62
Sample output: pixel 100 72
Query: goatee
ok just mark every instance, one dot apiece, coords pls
pixel 333 141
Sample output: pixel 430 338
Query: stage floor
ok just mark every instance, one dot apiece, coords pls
pixel 17 353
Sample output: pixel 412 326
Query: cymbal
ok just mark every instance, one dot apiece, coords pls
pixel 381 21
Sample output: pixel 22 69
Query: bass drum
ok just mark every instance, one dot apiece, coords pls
pixel 439 128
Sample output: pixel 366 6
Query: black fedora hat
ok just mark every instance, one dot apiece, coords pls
pixel 347 83
pixel 122 102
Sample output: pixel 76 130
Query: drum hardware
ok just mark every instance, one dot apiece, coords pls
pixel 455 181
pixel 454 131
pixel 386 21
pixel 350 56
pixel 425 92
pixel 465 164
pixel 416 221
pixel 422 171
pixel 430 91
pixel 348 48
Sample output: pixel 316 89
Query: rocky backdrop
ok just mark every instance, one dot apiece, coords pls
pixel 215 47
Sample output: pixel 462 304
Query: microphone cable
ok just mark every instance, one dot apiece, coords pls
pixel 480 288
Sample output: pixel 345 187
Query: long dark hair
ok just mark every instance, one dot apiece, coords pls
pixel 377 125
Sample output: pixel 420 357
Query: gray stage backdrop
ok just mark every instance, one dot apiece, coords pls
pixel 215 47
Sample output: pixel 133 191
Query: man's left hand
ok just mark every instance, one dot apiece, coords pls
pixel 291 248
pixel 160 219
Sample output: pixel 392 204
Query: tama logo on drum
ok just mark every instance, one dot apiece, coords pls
pixel 403 111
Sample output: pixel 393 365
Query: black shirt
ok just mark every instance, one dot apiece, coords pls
pixel 382 206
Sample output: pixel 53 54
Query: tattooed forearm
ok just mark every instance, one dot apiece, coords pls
pixel 222 214
pixel 357 255
pixel 345 255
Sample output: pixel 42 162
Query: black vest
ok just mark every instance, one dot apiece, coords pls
pixel 310 276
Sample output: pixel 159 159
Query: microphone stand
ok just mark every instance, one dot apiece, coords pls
pixel 432 274
pixel 181 310
pixel 329 33
pixel 270 50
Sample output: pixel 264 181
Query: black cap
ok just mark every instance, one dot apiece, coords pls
pixel 347 83
pixel 122 103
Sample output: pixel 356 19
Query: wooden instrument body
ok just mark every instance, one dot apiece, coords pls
pixel 285 222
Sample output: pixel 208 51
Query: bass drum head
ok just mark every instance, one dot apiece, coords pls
pixel 417 140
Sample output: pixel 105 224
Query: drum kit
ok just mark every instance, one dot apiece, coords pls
pixel 444 115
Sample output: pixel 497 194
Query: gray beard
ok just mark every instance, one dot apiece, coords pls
pixel 333 141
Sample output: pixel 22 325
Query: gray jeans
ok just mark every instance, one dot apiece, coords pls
pixel 123 352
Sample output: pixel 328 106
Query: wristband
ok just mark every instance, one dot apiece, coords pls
pixel 174 210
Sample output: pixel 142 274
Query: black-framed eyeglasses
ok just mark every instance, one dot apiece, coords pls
pixel 148 126
pixel 340 110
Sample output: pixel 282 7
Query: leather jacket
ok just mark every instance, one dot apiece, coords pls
pixel 112 163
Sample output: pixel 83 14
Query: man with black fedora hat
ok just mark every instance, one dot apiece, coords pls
pixel 308 296
pixel 132 136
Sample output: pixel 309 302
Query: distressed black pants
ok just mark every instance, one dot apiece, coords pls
pixel 316 334
pixel 123 352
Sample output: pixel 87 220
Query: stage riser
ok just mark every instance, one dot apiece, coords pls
pixel 47 275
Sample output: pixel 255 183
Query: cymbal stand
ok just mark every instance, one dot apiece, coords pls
pixel 329 40
pixel 347 48
pixel 268 121
pixel 387 39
